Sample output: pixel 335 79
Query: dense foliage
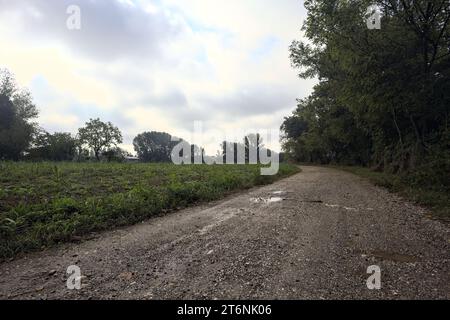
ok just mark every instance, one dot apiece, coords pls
pixel 154 146
pixel 99 136
pixel 383 95
pixel 56 147
pixel 16 114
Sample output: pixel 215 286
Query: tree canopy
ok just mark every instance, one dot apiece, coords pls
pixel 59 146
pixel 383 95
pixel 154 146
pixel 99 136
pixel 17 111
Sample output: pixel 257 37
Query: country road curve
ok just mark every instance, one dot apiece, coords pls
pixel 315 239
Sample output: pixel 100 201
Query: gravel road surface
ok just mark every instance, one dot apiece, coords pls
pixel 310 236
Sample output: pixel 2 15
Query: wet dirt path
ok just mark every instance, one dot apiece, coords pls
pixel 310 236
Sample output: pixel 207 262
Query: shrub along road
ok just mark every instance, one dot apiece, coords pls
pixel 312 235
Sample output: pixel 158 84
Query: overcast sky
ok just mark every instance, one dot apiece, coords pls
pixel 156 65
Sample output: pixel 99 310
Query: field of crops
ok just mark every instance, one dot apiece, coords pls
pixel 42 204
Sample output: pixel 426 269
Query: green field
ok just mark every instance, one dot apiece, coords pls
pixel 42 204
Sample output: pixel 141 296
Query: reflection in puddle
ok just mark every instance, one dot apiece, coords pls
pixel 278 192
pixel 266 200
pixel 338 206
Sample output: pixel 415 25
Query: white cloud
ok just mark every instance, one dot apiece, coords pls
pixel 156 65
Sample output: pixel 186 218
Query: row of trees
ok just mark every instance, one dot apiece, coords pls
pixel 251 147
pixel 383 95
pixel 22 139
pixel 157 147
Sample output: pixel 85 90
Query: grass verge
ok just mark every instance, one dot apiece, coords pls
pixel 43 204
pixel 429 189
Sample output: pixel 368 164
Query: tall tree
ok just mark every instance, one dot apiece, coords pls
pixel 383 95
pixel 17 111
pixel 99 136
pixel 154 146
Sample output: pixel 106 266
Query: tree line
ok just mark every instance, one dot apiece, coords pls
pixel 21 138
pixel 383 95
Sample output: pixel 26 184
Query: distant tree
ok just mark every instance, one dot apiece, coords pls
pixel 226 149
pixel 99 136
pixel 55 147
pixel 62 146
pixel 253 144
pixel 115 154
pixel 154 146
pixel 197 154
pixel 16 112
pixel 236 152
pixel 81 153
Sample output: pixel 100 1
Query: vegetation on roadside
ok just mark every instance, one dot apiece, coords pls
pixel 383 94
pixel 422 187
pixel 42 204
pixel 382 101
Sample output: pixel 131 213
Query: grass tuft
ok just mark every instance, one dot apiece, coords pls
pixel 423 186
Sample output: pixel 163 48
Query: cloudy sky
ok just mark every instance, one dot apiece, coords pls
pixel 156 65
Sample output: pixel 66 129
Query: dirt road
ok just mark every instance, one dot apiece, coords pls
pixel 311 236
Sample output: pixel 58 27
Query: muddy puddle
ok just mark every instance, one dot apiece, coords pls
pixel 395 257
pixel 389 256
pixel 266 200
pixel 341 207
pixel 275 196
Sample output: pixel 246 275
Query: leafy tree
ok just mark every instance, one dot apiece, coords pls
pixel 99 136
pixel 115 154
pixel 154 146
pixel 383 95
pixel 55 147
pixel 16 112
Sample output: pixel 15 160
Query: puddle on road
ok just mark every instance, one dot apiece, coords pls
pixel 395 257
pixel 311 201
pixel 347 208
pixel 388 256
pixel 266 200
pixel 338 206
